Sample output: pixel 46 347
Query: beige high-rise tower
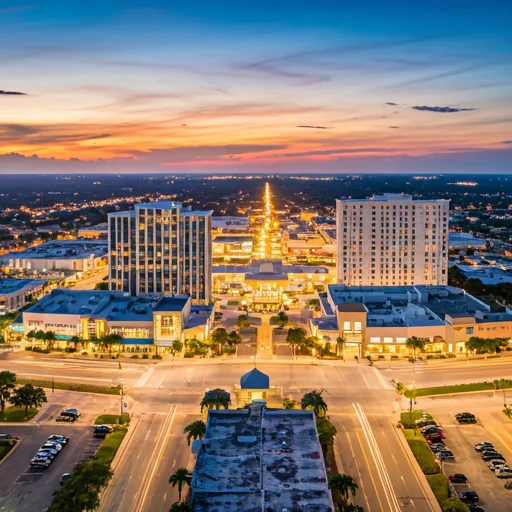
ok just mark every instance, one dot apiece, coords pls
pixel 391 240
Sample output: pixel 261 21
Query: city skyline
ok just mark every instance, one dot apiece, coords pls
pixel 255 88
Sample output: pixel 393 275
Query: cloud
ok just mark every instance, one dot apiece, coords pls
pixel 314 127
pixel 506 142
pixel 441 110
pixel 12 93
pixel 391 104
pixel 395 127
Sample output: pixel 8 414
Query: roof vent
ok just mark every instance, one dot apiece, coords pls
pixel 246 439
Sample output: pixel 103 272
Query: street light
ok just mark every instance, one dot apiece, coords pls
pixel 412 400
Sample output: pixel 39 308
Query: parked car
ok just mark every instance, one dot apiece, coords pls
pixel 503 472
pixel 40 463
pixel 5 437
pixel 64 478
pixel 102 430
pixel 43 454
pixel 458 478
pixel 52 451
pixel 71 413
pixel 433 440
pixel 488 456
pixel 465 415
pixel 431 430
pixel 467 420
pixel 483 446
pixel 53 445
pixel 469 497
pixel 497 463
pixel 475 508
pixel 435 435
pixel 437 447
pixel 59 439
pixel 445 455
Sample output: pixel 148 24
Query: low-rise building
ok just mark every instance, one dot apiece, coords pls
pixel 91 314
pixel 232 249
pixel 14 292
pixel 67 255
pixel 260 459
pixel 380 319
pixel 100 231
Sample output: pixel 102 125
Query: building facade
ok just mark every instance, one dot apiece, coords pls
pixel 391 240
pixel 161 248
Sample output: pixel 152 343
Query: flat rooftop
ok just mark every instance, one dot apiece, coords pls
pixel 13 285
pixel 233 239
pixel 260 459
pixel 63 249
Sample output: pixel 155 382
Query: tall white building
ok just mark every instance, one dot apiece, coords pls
pixel 391 240
pixel 161 248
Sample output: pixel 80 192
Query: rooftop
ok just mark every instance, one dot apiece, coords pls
pixel 393 197
pixel 233 239
pixel 259 459
pixel 255 380
pixel 14 285
pixel 63 249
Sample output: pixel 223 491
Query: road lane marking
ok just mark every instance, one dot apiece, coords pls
pixel 369 472
pixel 385 383
pixel 154 462
pixel 392 500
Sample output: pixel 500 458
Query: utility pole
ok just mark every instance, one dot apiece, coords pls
pixel 121 386
pixel 53 384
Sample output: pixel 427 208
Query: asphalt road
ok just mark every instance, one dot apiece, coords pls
pixel 23 489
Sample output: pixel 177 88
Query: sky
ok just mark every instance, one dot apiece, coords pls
pixel 257 87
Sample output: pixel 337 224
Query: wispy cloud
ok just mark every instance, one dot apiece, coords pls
pixel 395 127
pixel 314 127
pixel 506 142
pixel 441 110
pixel 12 93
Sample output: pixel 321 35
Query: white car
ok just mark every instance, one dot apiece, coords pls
pixel 503 472
pixel 53 445
pixel 51 451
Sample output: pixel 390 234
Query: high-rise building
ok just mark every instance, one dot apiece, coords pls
pixel 390 240
pixel 161 248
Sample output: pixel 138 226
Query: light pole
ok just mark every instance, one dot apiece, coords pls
pixel 412 401
pixel 122 390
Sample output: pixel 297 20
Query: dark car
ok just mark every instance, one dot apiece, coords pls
pixel 5 437
pixel 431 430
pixel 64 478
pixel 492 456
pixel 434 440
pixel 468 421
pixel 483 446
pixel 437 447
pixel 475 508
pixel 465 415
pixel 70 413
pixel 469 497
pixel 102 430
pixel 458 478
pixel 445 455
pixel 434 435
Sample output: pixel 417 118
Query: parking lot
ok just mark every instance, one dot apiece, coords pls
pixel 23 488
pixel 492 426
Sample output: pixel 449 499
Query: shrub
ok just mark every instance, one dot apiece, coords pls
pixel 188 355
pixel 381 356
pixel 430 357
pixel 28 348
pixel 134 356
pixel 442 356
pixel 84 353
pixel 95 355
pixel 156 356
pixel 394 356
pixel 145 356
pixel 451 355
pixel 102 356
pixel 411 360
pixel 70 350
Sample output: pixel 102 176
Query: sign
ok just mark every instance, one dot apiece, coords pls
pixel 125 405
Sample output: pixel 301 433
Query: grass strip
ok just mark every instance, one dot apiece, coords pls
pixel 6 447
pixel 69 386
pixel 17 414
pixel 110 445
pixel 448 390
pixel 440 487
pixel 408 419
pixel 421 451
pixel 112 419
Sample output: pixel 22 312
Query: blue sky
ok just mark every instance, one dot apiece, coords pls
pixel 267 86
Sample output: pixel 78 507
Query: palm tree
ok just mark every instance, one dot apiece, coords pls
pixel 314 401
pixel 341 346
pixel 326 433
pixel 350 507
pixel 49 339
pixel 344 485
pixel 180 477
pixel 215 399
pixel 416 343
pixel 195 430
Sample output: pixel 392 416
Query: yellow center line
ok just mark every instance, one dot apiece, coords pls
pixel 360 476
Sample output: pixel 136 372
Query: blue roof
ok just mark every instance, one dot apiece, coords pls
pixel 255 380
pixel 171 304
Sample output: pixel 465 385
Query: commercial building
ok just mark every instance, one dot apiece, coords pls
pixel 161 248
pixel 100 231
pixel 65 255
pixel 390 239
pixel 232 249
pixel 140 321
pixel 14 292
pixel 260 459
pixel 380 319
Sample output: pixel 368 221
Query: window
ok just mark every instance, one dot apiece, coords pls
pixel 401 340
pixel 374 339
pixel 346 326
pixel 469 330
pixel 388 340
pixel 357 326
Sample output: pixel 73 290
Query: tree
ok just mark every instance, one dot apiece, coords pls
pixel 313 400
pixel 215 399
pixel 7 386
pixel 351 507
pixel 195 430
pixel 102 285
pixel 243 322
pixel 296 337
pixel 341 346
pixel 220 337
pixel 81 492
pixel 344 485
pixel 28 396
pixel 110 339
pixel 415 343
pixel 476 344
pixel 474 286
pixel 49 339
pixel 282 319
pixel 289 403
pixel 326 433
pixel 234 338
pixel 179 478
pixel 400 388
pixel 180 506
pixel 454 505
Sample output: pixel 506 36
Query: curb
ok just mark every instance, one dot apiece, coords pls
pixel 18 442
pixel 441 395
pixel 126 441
pixel 431 498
